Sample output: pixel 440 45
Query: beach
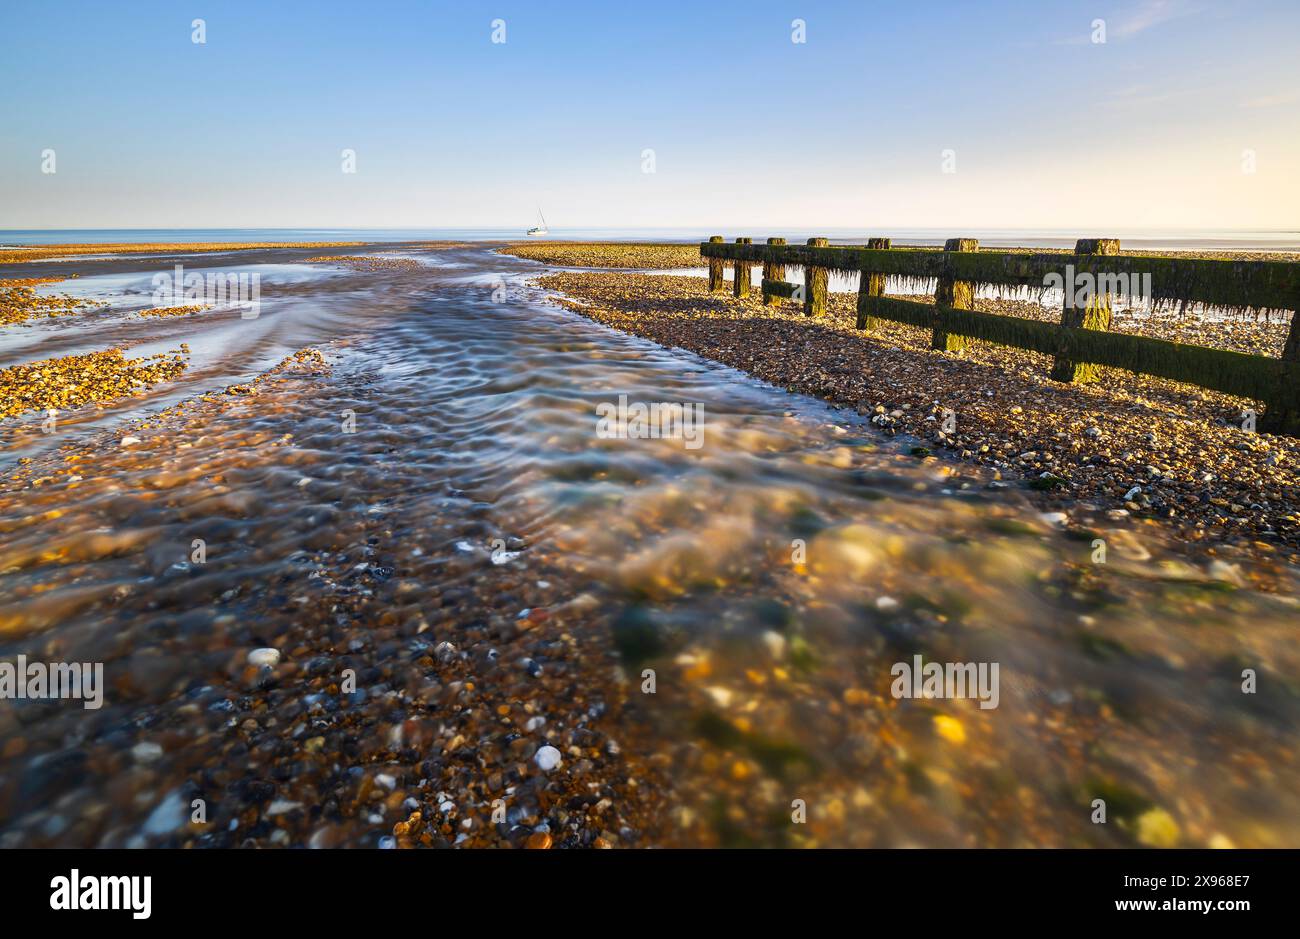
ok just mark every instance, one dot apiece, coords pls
pixel 1183 448
pixel 366 573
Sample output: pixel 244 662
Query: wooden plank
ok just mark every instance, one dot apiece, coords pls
pixel 815 282
pixel 952 294
pixel 780 289
pixel 741 272
pixel 716 281
pixel 1229 285
pixel 871 285
pixel 1234 373
pixel 1282 413
pixel 773 271
pixel 1094 314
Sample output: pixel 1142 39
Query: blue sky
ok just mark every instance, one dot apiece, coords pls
pixel 848 129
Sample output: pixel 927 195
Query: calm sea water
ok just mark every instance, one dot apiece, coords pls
pixel 1149 239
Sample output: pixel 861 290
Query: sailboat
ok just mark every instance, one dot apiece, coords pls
pixel 540 229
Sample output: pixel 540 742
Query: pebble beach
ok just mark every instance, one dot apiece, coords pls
pixel 385 586
pixel 1128 445
pixel 403 477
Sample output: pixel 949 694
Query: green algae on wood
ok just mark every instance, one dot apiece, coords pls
pixel 952 294
pixel 815 281
pixel 1283 413
pixel 773 271
pixel 1095 314
pixel 871 285
pixel 1108 247
pixel 1248 376
pixel 715 268
pixel 1232 287
pixel 741 272
pixel 1224 286
pixel 780 289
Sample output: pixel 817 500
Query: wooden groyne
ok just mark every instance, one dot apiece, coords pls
pixel 1081 342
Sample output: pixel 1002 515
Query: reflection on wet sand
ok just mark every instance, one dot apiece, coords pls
pixel 494 626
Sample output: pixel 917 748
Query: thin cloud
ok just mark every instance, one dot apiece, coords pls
pixel 1273 100
pixel 1139 96
pixel 1150 14
pixel 1147 16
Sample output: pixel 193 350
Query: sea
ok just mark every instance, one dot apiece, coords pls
pixel 1140 239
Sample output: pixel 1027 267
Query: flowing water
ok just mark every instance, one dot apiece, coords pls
pixel 458 570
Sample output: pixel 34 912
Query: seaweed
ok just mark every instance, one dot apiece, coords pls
pixel 1080 343
pixel 1257 377
pixel 1095 315
pixel 773 271
pixel 871 285
pixel 952 293
pixel 741 276
pixel 778 289
pixel 816 280
pixel 1229 287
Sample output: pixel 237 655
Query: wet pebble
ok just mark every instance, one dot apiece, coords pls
pixel 547 758
pixel 264 658
pixel 146 752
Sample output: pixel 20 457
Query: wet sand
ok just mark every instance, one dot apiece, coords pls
pixel 462 583
pixel 632 255
pixel 35 253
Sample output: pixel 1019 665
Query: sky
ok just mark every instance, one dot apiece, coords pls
pixel 621 114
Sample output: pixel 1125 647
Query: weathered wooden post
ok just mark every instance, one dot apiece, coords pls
pixel 952 294
pixel 715 268
pixel 814 283
pixel 871 285
pixel 773 271
pixel 1282 410
pixel 741 272
pixel 1095 315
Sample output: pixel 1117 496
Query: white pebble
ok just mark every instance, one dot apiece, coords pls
pixel 264 657
pixel 775 643
pixel 721 696
pixel 547 758
pixel 130 441
pixel 1222 570
pixel 146 752
pixel 886 603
